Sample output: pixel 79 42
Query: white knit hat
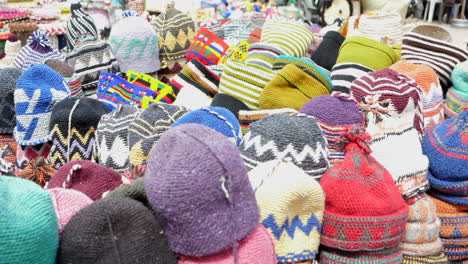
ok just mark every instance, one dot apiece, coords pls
pixel 382 27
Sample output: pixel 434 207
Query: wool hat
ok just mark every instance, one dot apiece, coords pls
pixel 166 93
pixel 8 78
pixel 279 136
pixel 38 89
pixel 67 203
pixel 217 118
pixel 327 52
pixel 118 230
pixel 256 248
pixel 255 36
pixel 457 95
pixel 206 47
pixel 134 190
pixel 89 58
pixel 343 74
pixel 12 48
pixel 26 154
pixel 248 117
pixel 213 25
pixel 137 6
pixel 387 256
pixel 80 25
pixel 433 259
pixel 383 27
pixel 368 52
pixel 235 52
pixel 294 38
pixel 208 168
pixel 135 45
pixel 29 224
pixel 289 197
pixel 334 121
pixel 237 29
pixel 36 51
pixel 264 55
pixel 38 170
pixel 432 97
pixel 230 103
pixel 7 155
pixel 73 130
pixel 87 177
pixel 446 144
pixel 68 73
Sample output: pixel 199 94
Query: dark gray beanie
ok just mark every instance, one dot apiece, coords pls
pixel 135 191
pixel 8 78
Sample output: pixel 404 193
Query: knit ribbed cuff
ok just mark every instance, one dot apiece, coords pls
pixel 389 256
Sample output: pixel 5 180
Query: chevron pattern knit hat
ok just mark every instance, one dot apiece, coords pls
pixel 434 259
pixel 118 230
pixel 12 48
pixel 293 38
pixel 327 52
pixel 193 164
pixel 73 130
pixel 80 25
pixel 280 136
pixel 207 48
pixel 8 79
pixel 68 73
pixel 89 58
pixel 38 89
pixel 28 217
pixel 457 95
pixel 7 155
pixel 135 45
pixel 343 74
pixel 37 51
pixel 291 205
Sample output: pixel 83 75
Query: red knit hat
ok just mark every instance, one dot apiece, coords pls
pixel 364 210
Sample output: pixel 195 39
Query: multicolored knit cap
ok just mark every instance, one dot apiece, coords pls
pixel 7 155
pixel 264 55
pixel 193 164
pixel 73 130
pixel 12 48
pixel 368 52
pixel 256 248
pixel 294 38
pixel 230 103
pixel 87 177
pixel 291 205
pixel 236 30
pixel 432 97
pixel 213 25
pixel 135 45
pixel 248 117
pixel 255 36
pixel 388 256
pixel 117 230
pixel 29 224
pixel 447 143
pixel 457 95
pixel 327 52
pixel 38 89
pixel 68 73
pixel 280 136
pixel 36 51
pixel 80 25
pixel 343 75
pixel 166 92
pixel 433 259
pixel 27 154
pixel 207 48
pixel 235 52
pixel 8 78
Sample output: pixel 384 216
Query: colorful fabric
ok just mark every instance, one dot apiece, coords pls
pixel 457 95
pixel 235 52
pixel 80 25
pixel 26 154
pixel 332 256
pixel 7 155
pixel 435 259
pixel 294 38
pixel 343 75
pixel 207 47
pixel 145 80
pixel 263 55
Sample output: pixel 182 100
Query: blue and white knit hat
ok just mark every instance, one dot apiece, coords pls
pixel 38 89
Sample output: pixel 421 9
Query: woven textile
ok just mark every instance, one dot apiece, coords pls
pixel 264 55
pixel 457 95
pixel 435 259
pixel 7 155
pixel 295 39
pixel 382 27
pixel 68 73
pixel 8 79
pixel 235 52
pixel 80 25
pixel 213 25
pixel 166 93
pixel 236 30
pixel 332 256
pixel 206 47
pixel 343 74
pixel 291 205
pixel 247 117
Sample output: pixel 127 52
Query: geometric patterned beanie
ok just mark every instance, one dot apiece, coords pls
pixel 27 154
pixel 68 73
pixel 73 130
pixel 343 74
pixel 294 38
pixel 279 136
pixel 207 48
pixel 289 197
pixel 8 79
pixel 38 89
pixel 80 25
pixel 457 95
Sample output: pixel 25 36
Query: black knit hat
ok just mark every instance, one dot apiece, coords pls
pixel 8 78
pixel 119 230
pixel 327 52
pixel 79 25
pixel 135 191
pixel 230 103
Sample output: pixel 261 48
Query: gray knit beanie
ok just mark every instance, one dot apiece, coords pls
pixel 135 191
pixel 8 78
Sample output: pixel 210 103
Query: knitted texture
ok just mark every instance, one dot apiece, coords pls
pixel 235 52
pixel 206 47
pixel 327 52
pixel 26 154
pixel 80 25
pixel 36 51
pixel 12 48
pixel 134 190
pixel 382 27
pixel 457 95
pixel 264 55
pixel 436 259
pixel 38 170
pixel 212 25
pixel 293 38
pixel 230 103
pixel 291 208
pixel 73 130
pixel 343 74
pixel 87 177
pixel 166 93
pixel 196 172
pixel 112 136
pixel 281 136
pixel 247 117
pixel 440 55
pixel 135 45
pixel 117 231
pixel 7 155
pixel 255 36
pixel 89 59
pixel 333 256
pixel 68 73
pixel 368 52
pixel 236 30
pixel 66 204
pixel 8 79
pixel 28 218
pixel 38 89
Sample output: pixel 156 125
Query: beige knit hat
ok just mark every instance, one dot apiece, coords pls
pixel 383 27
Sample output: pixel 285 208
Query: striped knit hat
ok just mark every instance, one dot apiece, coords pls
pixel 279 136
pixel 248 117
pixel 457 95
pixel 327 52
pixel 289 197
pixel 264 55
pixel 440 55
pixel 7 155
pixel 68 73
pixel 8 78
pixel 80 25
pixel 236 30
pixel 433 259
pixel 343 74
pixel 294 38
pixel 207 48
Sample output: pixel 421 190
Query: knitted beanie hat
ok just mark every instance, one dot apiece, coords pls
pixel 264 55
pixel 166 93
pixel 87 177
pixel 135 45
pixel 230 103
pixel 289 197
pixel 422 229
pixel 80 25
pixel 255 36
pixel 7 155
pixel 383 27
pixel 134 190
pixel 26 154
pixel 334 121
pixel 89 58
pixel 343 74
pixel 368 52
pixel 213 25
pixel 327 52
pixel 193 164
pixel 433 259
pixel 8 79
pixel 12 48
pixel 256 248
pixel 112 136
pixel 235 52
pixel 68 73
pixel 279 136
pixel 38 89
pixel 387 256
pixel 446 144
pixel 29 224
pixel 457 95
pixel 432 98
pixel 67 203
pixel 248 117
pixel 217 118
pixel 236 30
pixel 294 38
pixel 73 130
pixel 116 231
pixel 206 47
pixel 36 51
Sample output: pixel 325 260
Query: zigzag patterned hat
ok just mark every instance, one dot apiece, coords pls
pixel 79 25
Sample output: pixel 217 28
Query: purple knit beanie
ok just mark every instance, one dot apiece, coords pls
pixel 198 186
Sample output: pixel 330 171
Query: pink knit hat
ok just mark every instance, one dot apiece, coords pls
pixel 67 203
pixel 256 248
